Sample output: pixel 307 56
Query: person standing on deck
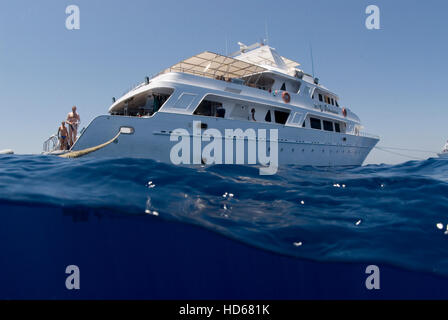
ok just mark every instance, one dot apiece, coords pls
pixel 63 136
pixel 73 120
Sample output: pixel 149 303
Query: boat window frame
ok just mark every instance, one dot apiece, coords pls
pixel 313 119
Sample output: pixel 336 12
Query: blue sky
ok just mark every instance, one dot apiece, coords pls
pixel 393 78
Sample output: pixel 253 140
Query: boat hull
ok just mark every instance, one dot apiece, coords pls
pixel 151 140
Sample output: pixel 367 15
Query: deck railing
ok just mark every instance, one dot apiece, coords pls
pixel 51 144
pixel 368 135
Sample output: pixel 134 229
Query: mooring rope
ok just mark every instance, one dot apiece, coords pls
pixel 407 149
pixel 399 154
pixel 80 153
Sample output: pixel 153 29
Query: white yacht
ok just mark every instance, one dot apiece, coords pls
pixel 252 89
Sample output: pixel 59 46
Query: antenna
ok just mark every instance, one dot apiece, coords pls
pixel 227 46
pixel 312 59
pixel 266 31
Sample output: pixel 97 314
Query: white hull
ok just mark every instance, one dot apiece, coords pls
pixel 151 139
pixel 443 155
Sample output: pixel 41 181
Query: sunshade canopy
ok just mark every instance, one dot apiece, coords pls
pixel 265 55
pixel 212 65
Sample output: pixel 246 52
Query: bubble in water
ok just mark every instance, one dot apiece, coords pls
pixel 358 223
pixel 148 208
pixel 440 226
pixel 148 204
pixel 302 202
pixel 230 195
pixel 150 184
pixel 298 244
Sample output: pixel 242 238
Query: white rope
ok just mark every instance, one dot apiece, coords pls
pixel 399 154
pixel 407 149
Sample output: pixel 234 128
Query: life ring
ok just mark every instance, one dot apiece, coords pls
pixel 344 112
pixel 286 97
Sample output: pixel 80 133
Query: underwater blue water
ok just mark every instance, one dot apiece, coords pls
pixel 391 214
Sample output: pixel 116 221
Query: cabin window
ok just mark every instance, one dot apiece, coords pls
pixel 304 124
pixel 281 116
pixel 268 116
pixel 328 125
pixel 315 123
pixel 320 98
pixel 220 112
pixel 336 101
pixel 144 104
pixel 184 101
pixel 283 87
pixel 332 101
pixel 262 81
pixel 210 109
pixel 337 128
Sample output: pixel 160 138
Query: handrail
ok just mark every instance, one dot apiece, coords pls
pixel 51 144
pixel 368 135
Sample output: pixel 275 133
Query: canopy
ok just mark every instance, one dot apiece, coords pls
pixel 290 63
pixel 212 65
pixel 265 55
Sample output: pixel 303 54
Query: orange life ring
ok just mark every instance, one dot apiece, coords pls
pixel 344 112
pixel 286 97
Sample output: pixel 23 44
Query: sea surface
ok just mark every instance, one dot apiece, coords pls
pixel 139 229
pixel 394 214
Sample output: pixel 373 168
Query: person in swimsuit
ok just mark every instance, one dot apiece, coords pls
pixel 63 135
pixel 73 120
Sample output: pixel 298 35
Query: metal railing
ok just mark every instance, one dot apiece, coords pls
pixel 138 85
pixel 51 144
pixel 368 135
